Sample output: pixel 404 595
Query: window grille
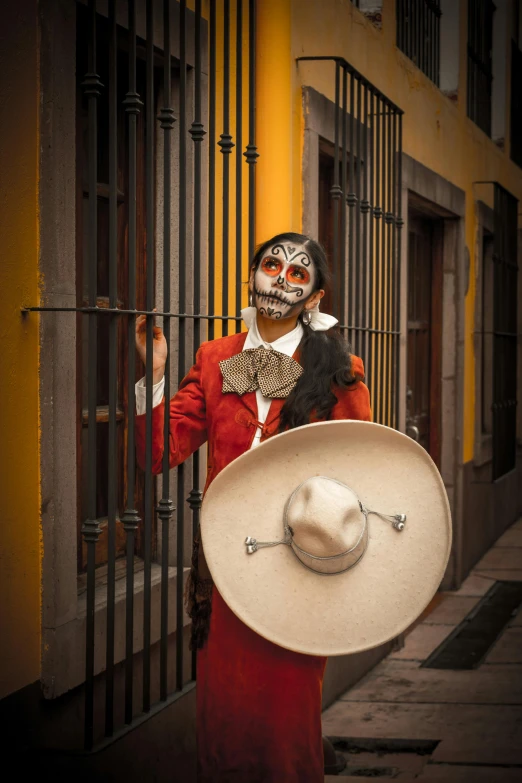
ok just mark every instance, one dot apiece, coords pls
pixel 418 34
pixel 480 66
pixel 140 144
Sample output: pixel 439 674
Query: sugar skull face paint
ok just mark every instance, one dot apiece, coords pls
pixel 283 280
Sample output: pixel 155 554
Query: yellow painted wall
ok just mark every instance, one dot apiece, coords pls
pixel 20 535
pixel 436 130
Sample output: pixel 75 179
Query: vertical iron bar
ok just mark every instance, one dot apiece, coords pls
pixel 239 156
pixel 356 277
pixel 428 35
pixel 342 266
pixel 417 12
pixel 166 507
pixel 389 276
pixel 113 369
pixel 372 256
pixel 469 64
pixel 365 210
pixel 423 27
pixel 212 170
pixel 130 518
pixel 400 223
pixel 496 311
pixel 436 30
pixel 90 528
pixel 180 562
pixel 394 281
pixel 336 194
pixel 251 153
pixel 434 37
pixel 226 148
pixel 352 203
pixel 427 12
pixel 398 24
pixel 378 216
pixel 410 29
pixel 197 132
pixel 404 24
pixel 382 276
pixel 149 207
pixel 418 32
pixel 437 49
pixel 513 288
pixel 433 17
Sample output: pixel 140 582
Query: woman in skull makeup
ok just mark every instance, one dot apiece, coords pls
pixel 258 705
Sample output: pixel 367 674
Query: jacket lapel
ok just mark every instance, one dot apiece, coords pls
pixel 275 410
pixel 250 402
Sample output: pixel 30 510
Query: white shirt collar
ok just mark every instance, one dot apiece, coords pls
pixel 286 344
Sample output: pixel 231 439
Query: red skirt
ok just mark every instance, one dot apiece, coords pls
pixel 258 707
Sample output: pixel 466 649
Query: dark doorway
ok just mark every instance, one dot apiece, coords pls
pixel 423 391
pixel 326 226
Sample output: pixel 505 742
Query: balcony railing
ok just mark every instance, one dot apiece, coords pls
pixel 366 247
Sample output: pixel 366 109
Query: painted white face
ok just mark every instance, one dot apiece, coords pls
pixel 283 280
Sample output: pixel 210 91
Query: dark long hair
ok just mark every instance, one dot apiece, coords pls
pixel 324 356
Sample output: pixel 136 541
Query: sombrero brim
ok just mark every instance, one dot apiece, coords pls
pixel 272 593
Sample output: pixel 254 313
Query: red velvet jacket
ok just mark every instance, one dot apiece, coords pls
pixel 200 412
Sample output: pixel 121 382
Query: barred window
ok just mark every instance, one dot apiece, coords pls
pixel 104 370
pixel 480 63
pixel 418 34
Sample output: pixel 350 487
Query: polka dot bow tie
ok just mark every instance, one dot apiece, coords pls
pixel 274 373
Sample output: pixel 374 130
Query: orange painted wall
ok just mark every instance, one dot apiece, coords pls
pixel 20 535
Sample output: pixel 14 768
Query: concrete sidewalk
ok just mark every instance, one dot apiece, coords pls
pixel 406 723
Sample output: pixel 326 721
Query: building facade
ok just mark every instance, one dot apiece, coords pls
pixel 146 148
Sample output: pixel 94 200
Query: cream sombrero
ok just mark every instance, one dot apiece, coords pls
pixel 330 538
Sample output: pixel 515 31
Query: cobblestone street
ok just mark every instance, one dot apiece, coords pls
pixel 406 722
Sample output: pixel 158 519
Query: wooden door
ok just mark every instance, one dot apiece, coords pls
pixel 424 334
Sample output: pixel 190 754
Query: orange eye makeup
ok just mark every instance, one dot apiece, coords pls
pixel 271 267
pixel 298 274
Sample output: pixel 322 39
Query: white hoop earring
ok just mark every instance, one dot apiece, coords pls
pixel 306 317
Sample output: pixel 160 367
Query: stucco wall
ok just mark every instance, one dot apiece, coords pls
pixel 20 535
